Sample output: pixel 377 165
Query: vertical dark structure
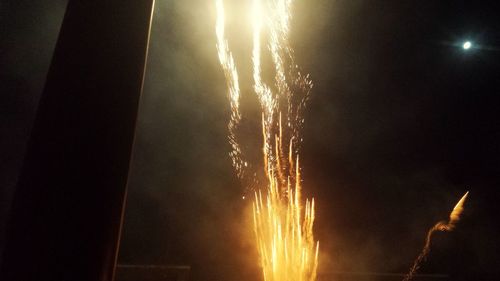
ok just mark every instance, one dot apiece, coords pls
pixel 66 214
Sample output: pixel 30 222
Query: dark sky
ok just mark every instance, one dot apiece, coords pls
pixel 401 123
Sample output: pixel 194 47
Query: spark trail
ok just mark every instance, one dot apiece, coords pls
pixel 283 223
pixel 227 62
pixel 440 226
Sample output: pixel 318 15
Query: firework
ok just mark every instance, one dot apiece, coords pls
pixel 283 223
pixel 440 226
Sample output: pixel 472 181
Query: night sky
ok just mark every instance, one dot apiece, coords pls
pixel 401 122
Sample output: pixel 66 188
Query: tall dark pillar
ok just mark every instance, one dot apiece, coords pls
pixel 67 211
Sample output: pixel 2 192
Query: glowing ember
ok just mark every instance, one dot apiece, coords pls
pixel 440 226
pixel 283 224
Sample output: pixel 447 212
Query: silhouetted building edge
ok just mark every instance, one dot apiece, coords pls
pixel 67 210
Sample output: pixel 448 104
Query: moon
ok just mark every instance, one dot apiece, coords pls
pixel 467 45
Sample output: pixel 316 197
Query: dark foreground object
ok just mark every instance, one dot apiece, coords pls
pixel 66 214
pixel 152 273
pixel 378 276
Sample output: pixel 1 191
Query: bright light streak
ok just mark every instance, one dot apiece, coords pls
pixel 229 67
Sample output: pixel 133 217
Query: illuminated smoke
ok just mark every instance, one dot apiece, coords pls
pixel 440 226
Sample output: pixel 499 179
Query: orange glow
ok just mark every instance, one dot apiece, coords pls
pixel 458 209
pixel 284 228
